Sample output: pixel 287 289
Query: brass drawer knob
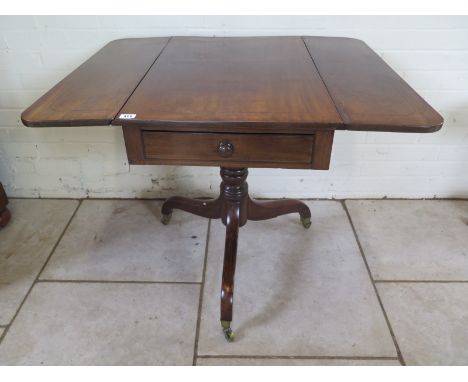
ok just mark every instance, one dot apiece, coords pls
pixel 225 149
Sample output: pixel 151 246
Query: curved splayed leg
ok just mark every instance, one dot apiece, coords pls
pixel 205 208
pixel 229 267
pixel 270 209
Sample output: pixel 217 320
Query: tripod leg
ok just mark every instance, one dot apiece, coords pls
pixel 229 267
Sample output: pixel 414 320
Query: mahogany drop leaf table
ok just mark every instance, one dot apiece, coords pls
pixel 234 102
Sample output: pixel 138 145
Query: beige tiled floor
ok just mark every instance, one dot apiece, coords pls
pixel 413 239
pixel 430 321
pixel 285 274
pixel 104 324
pixel 103 282
pixel 25 245
pixel 293 362
pixel 124 240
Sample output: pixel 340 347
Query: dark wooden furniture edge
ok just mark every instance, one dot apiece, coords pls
pixel 4 211
pixel 234 127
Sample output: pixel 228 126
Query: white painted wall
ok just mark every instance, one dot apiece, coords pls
pixel 431 53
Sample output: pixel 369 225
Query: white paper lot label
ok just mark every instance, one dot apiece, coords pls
pixel 127 116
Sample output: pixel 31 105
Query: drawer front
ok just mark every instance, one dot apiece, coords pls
pixel 243 149
pixel 229 150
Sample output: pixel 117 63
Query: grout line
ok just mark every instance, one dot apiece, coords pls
pixel 7 328
pixel 98 199
pixel 422 281
pixel 210 197
pixel 88 198
pixel 200 300
pixel 116 282
pixel 41 198
pixel 397 347
pixel 357 358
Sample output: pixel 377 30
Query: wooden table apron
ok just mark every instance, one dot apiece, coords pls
pixel 234 102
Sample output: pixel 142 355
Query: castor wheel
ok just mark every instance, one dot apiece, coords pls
pixel 166 218
pixel 306 222
pixel 228 333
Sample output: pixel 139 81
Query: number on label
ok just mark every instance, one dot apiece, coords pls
pixel 127 116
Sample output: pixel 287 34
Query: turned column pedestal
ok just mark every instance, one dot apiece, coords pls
pixel 234 207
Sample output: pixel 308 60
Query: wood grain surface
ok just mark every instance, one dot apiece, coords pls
pixel 93 94
pixel 219 84
pixel 368 94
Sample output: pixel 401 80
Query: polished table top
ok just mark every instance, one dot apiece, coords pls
pixel 236 84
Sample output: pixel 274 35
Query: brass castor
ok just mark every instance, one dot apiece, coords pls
pixel 228 333
pixel 306 222
pixel 166 218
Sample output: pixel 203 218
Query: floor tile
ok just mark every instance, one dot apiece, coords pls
pixel 104 324
pixel 413 239
pixel 292 362
pixel 429 321
pixel 25 245
pixel 298 292
pixel 124 240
